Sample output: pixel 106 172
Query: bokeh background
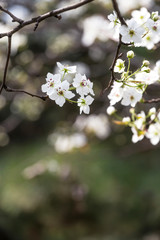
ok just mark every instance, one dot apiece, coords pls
pixel 64 176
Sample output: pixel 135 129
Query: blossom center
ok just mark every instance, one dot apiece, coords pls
pixel 83 83
pixel 51 84
pixel 60 93
pixel 131 33
pixel 154 28
pixel 132 98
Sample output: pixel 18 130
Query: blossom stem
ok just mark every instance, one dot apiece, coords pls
pixel 71 88
pixel 69 100
pixel 129 62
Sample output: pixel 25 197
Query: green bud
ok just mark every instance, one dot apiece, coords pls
pixel 145 63
pixel 130 54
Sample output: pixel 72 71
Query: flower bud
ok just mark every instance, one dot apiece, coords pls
pixel 155 16
pixel 126 120
pixel 146 69
pixel 145 63
pixel 111 110
pixel 130 54
pixel 132 110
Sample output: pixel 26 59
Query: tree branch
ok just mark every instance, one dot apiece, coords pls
pixel 14 18
pixel 154 100
pixel 6 65
pixel 117 55
pixel 38 19
pixel 8 89
pixel 22 24
pixel 116 8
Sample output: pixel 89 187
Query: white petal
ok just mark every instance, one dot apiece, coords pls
pixel 69 94
pixel 60 101
pixel 89 100
pixel 44 87
pixel 154 140
pixel 53 96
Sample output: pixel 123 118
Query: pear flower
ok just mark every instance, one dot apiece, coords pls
pixel 153 27
pixel 61 93
pixel 152 113
pixel 141 16
pixel 114 21
pixel 52 82
pixel 131 96
pixel 133 32
pixel 84 102
pixel 153 133
pixel 116 93
pixel 138 135
pixel 66 69
pixel 83 85
pixel 119 66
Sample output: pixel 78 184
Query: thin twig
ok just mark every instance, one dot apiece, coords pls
pixel 7 63
pixel 112 78
pixel 14 18
pixel 117 55
pixel 53 13
pixel 154 100
pixel 8 89
pixel 116 8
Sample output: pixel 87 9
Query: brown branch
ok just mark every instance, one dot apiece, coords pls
pixel 7 63
pixel 154 100
pixel 53 13
pixel 8 89
pixel 116 8
pixel 117 55
pixel 14 18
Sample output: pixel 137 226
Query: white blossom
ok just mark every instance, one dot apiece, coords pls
pixel 154 27
pixel 140 121
pixel 119 66
pixel 141 16
pixel 83 85
pixel 153 133
pixel 61 93
pixel 114 21
pixel 157 69
pixel 52 82
pixel 84 102
pixel 152 113
pixel 116 93
pixel 149 40
pixel 131 96
pixel 137 135
pixel 147 78
pixel 133 32
pixel 65 69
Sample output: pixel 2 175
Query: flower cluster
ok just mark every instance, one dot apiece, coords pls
pixel 143 125
pixel 59 88
pixel 131 85
pixel 142 30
